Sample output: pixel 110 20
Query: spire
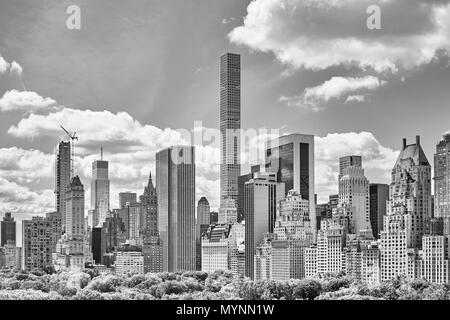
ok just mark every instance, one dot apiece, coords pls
pixel 150 181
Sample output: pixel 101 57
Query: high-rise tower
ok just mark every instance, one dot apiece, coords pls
pixel 292 158
pixel 230 125
pixel 354 194
pixel 7 229
pixel 62 178
pixel 442 178
pixel 408 210
pixel 99 191
pixel 175 187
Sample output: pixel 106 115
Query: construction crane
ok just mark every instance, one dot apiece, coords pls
pixel 72 137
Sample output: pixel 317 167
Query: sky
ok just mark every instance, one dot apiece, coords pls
pixel 139 71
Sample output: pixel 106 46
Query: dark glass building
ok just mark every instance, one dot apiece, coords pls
pixel 291 157
pixel 7 229
pixel 378 195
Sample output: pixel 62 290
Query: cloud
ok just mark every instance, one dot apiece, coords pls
pixel 4 65
pixel 227 21
pixel 13 67
pixel 357 98
pixel 24 101
pixel 21 200
pixel 378 160
pixel 16 68
pixel 318 34
pixel 315 97
pixel 129 146
pixel 25 166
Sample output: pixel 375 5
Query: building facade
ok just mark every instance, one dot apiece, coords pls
pixel 408 212
pixel 36 243
pixel 291 157
pixel 354 196
pixel 202 224
pixel 378 197
pixel 262 193
pixel 175 187
pixel 215 248
pixel 99 192
pixel 62 178
pixel 230 125
pixel 7 229
pixel 442 178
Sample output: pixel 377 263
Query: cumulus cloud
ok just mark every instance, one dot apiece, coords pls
pixel 335 88
pixel 378 160
pixel 16 68
pixel 318 34
pixel 13 67
pixel 27 101
pixel 21 200
pixel 25 166
pixel 4 65
pixel 129 146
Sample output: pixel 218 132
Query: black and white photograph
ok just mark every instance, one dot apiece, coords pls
pixel 251 152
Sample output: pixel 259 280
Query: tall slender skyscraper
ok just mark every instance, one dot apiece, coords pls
pixel 442 178
pixel 99 191
pixel 62 179
pixel 175 187
pixel 230 125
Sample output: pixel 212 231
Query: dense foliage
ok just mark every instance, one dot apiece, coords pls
pixel 88 284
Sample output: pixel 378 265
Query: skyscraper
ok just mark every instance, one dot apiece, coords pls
pixel 99 191
pixel 408 210
pixel 127 197
pixel 354 197
pixel 261 196
pixel 175 187
pixel 75 209
pixel 292 158
pixel 241 185
pixel 202 225
pixel 72 250
pixel 98 244
pixel 62 178
pixel 7 229
pixel 230 125
pixel 149 207
pixel 227 211
pixel 378 195
pixel 442 178
pixel 347 161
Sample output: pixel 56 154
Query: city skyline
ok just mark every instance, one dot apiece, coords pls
pixel 27 147
pixel 273 140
